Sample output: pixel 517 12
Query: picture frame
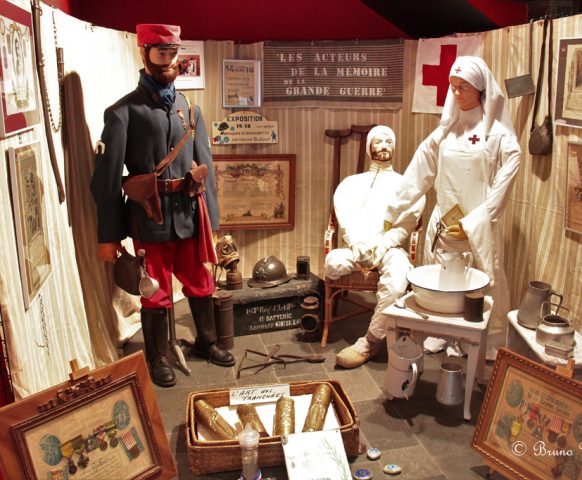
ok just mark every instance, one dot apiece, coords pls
pixel 573 217
pixel 568 110
pixel 241 83
pixel 190 65
pixel 530 424
pixel 103 425
pixel 19 105
pixel 255 191
pixel 27 188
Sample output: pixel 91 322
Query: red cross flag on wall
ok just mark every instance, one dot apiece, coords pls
pixel 434 59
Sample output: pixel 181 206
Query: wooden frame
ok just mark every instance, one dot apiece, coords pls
pixel 569 83
pixel 19 106
pixel 256 191
pixel 30 218
pixel 573 218
pixel 530 425
pixel 106 425
pixel 241 83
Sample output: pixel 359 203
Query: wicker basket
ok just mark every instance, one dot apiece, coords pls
pixel 224 455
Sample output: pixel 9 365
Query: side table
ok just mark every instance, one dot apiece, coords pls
pixel 472 335
pixel 522 340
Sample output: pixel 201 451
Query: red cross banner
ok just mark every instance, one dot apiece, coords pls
pixel 434 59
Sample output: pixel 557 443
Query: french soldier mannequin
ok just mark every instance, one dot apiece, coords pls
pixel 140 131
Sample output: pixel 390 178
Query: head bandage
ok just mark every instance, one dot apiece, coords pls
pixel 379 130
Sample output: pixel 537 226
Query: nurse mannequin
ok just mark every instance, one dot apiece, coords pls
pixel 471 159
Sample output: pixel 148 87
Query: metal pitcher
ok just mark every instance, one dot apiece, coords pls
pixel 450 389
pixel 532 308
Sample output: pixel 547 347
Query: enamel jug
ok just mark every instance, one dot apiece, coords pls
pixel 454 269
pixel 405 364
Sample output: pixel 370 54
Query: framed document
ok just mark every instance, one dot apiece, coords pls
pixel 190 65
pixel 574 188
pixel 106 425
pixel 19 106
pixel 530 425
pixel 241 83
pixel 30 218
pixel 255 191
pixel 569 83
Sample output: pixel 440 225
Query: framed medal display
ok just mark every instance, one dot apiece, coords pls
pixel 530 425
pixel 105 424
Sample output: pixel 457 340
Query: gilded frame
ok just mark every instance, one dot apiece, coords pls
pixel 530 424
pixel 255 191
pixel 106 425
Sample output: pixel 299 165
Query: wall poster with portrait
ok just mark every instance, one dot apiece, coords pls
pixel 103 425
pixel 190 65
pixel 30 219
pixel 530 425
pixel 574 188
pixel 255 191
pixel 19 105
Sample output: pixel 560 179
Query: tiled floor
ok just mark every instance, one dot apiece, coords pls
pixel 428 440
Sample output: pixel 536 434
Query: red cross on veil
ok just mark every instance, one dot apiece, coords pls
pixel 438 75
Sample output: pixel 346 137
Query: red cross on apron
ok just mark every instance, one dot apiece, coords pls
pixel 474 139
pixel 438 75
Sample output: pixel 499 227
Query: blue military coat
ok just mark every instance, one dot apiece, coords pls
pixel 139 133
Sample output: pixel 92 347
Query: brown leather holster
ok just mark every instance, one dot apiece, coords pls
pixel 143 189
pixel 195 180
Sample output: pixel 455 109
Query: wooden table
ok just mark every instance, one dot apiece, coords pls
pixel 471 335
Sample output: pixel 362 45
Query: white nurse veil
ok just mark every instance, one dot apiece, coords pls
pixel 475 71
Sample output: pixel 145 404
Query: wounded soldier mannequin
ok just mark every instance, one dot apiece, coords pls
pixel 140 130
pixel 360 203
pixel 471 160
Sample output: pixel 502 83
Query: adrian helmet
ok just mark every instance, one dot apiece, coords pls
pixel 269 272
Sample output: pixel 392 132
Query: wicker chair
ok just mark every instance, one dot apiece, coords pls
pixel 363 281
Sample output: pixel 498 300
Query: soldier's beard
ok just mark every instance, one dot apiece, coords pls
pixel 162 74
pixel 381 155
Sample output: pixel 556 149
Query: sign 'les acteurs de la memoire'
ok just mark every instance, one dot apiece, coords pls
pixel 362 71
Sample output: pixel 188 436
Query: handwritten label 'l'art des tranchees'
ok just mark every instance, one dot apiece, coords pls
pixel 362 71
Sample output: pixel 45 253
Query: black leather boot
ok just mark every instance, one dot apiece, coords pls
pixel 202 309
pixel 154 322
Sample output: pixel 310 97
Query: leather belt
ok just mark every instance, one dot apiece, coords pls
pixel 173 185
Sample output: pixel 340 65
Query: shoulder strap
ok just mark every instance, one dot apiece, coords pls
pixel 540 75
pixel 167 161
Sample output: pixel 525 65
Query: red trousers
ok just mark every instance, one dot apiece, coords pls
pixel 181 258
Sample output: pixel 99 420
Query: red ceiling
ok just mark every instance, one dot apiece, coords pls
pixel 256 20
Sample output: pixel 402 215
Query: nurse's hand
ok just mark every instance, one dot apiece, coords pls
pixel 456 232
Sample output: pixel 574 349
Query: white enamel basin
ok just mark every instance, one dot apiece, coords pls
pixel 432 296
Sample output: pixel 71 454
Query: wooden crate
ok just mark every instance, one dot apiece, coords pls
pixel 258 310
pixel 224 455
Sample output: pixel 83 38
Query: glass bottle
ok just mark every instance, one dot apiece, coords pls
pixel 249 448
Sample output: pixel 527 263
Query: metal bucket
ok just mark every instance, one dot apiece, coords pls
pixel 450 389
